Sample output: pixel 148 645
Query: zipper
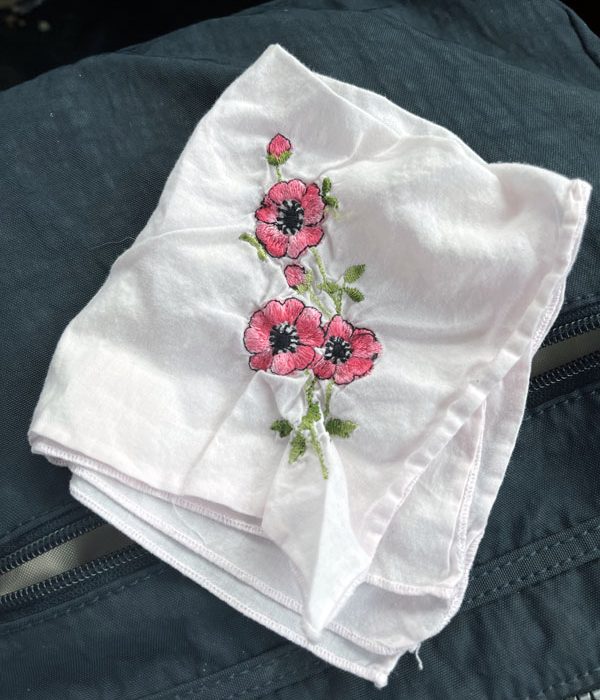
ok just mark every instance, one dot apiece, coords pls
pixel 568 359
pixel 567 371
pixel 48 542
pixel 66 562
pixel 566 331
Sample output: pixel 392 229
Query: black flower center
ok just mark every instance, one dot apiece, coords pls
pixel 337 350
pixel 284 338
pixel 290 217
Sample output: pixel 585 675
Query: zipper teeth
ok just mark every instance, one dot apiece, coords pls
pixel 72 577
pixel 572 329
pixel 48 542
pixel 571 369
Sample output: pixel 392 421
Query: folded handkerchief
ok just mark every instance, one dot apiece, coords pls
pixel 302 383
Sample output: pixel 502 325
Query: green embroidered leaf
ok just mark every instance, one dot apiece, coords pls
pixel 297 448
pixel 329 287
pixel 284 156
pixel 331 201
pixel 354 272
pixel 278 160
pixel 255 243
pixel 312 415
pixel 340 428
pixel 282 426
pixel 326 185
pixel 354 293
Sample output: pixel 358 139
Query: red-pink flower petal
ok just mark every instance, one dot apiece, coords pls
pixel 286 312
pixel 359 366
pixel 293 308
pixel 294 189
pixel 339 328
pixel 303 356
pixel 306 236
pixel 308 325
pixel 267 213
pixel 283 363
pixel 278 145
pixel 343 374
pixel 313 205
pixel 261 361
pixel 322 368
pixel 364 344
pixel 294 275
pixel 256 339
pixel 259 321
pixel 273 240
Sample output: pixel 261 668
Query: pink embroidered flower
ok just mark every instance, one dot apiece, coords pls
pixel 282 336
pixel 279 147
pixel 288 218
pixel 294 275
pixel 348 354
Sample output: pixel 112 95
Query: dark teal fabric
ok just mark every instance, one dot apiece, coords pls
pixel 84 153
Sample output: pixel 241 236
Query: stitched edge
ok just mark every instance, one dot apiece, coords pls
pixel 373 672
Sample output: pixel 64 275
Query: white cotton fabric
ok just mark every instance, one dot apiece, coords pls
pixel 149 399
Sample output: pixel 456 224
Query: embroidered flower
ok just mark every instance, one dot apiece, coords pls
pixel 295 275
pixel 288 218
pixel 282 336
pixel 278 150
pixel 285 337
pixel 348 352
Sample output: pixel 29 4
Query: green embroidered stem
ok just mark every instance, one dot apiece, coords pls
pixel 329 286
pixel 309 387
pixel 319 261
pixel 278 173
pixel 317 302
pixel 255 243
pixel 314 440
pixel 313 414
pixel 328 392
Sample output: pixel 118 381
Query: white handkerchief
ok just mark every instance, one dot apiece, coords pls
pixel 302 383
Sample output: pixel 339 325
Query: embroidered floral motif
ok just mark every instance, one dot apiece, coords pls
pixel 287 337
pixel 278 151
pixel 288 218
pixel 281 337
pixel 349 352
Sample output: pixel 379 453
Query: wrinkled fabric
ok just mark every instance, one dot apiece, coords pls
pixel 150 384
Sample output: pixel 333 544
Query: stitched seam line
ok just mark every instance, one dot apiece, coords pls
pixel 581 394
pixel 532 575
pixel 86 603
pixel 236 674
pixel 60 506
pixel 533 552
pixel 251 669
pixel 579 676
